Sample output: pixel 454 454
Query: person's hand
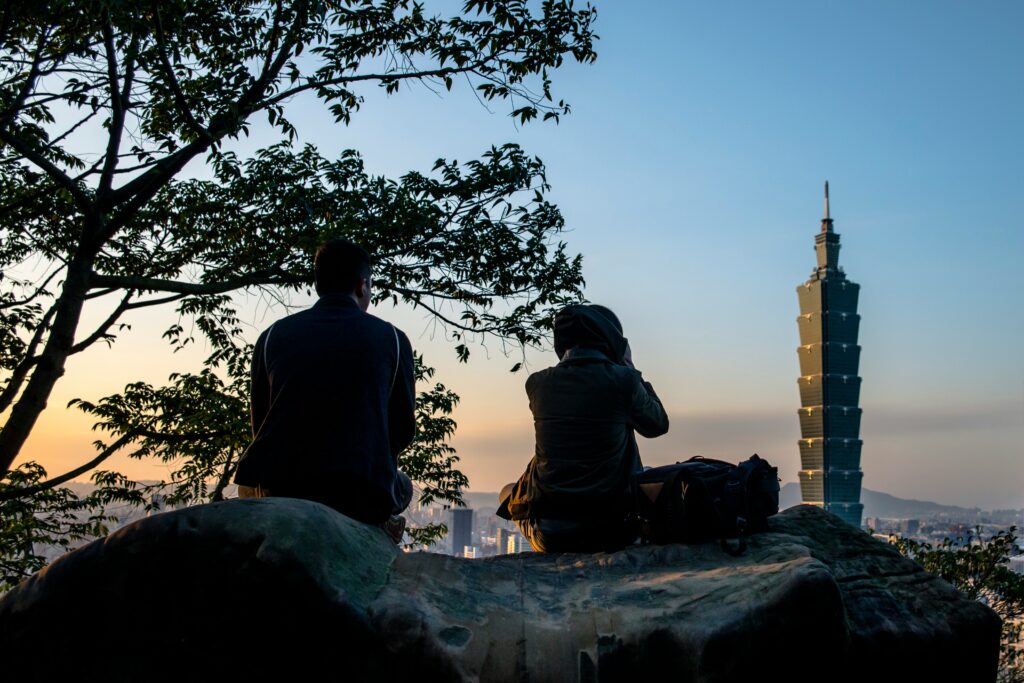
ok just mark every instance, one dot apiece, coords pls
pixel 627 357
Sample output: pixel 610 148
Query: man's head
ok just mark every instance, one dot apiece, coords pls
pixel 341 267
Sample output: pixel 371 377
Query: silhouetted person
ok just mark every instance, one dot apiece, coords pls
pixel 333 400
pixel 578 490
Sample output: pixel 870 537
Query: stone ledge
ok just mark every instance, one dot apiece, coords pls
pixel 280 587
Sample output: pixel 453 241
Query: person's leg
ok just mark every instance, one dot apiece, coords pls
pixel 252 492
pixel 570 536
pixel 395 524
pixel 528 528
pixel 403 492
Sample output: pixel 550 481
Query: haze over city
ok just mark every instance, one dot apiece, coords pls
pixel 690 175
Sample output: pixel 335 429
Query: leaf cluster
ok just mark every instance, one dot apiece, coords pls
pixel 979 567
pixel 51 518
pixel 430 460
pixel 105 103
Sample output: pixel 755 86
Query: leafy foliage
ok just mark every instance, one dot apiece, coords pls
pixel 106 109
pixel 979 567
pixel 52 517
pixel 430 460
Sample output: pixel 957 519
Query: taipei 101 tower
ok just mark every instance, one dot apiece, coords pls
pixel 830 474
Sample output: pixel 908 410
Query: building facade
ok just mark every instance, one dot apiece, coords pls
pixel 461 530
pixel 830 447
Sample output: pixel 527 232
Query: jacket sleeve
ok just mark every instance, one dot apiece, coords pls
pixel 259 387
pixel 402 402
pixel 646 412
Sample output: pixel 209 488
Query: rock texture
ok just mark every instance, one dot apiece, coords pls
pixel 272 588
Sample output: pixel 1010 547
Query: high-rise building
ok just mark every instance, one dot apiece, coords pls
pixel 830 474
pixel 461 532
pixel 501 535
pixel 518 544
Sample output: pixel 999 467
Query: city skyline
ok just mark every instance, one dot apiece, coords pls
pixel 689 173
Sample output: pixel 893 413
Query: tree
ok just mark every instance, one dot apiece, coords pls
pixel 107 107
pixel 979 567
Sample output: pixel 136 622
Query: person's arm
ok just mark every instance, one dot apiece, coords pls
pixel 647 413
pixel 402 403
pixel 259 393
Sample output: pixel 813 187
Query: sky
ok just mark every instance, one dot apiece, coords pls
pixel 690 175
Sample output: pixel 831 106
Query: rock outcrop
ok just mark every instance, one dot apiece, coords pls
pixel 281 588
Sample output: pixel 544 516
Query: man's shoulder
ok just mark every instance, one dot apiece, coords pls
pixel 383 326
pixel 538 378
pixel 357 318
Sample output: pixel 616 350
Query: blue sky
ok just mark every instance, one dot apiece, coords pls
pixel 690 174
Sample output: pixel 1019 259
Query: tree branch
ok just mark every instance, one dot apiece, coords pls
pixel 21 370
pixel 148 284
pixel 101 331
pixel 175 438
pixel 156 302
pixel 61 178
pixel 60 138
pixel 118 104
pixel 225 477
pixel 9 114
pixel 445 319
pixel 274 35
pixel 68 476
pixel 39 290
pixel 343 80
pixel 172 81
pixel 140 190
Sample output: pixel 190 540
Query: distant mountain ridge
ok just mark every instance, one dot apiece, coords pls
pixel 876 504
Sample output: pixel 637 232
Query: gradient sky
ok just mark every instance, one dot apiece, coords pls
pixel 690 174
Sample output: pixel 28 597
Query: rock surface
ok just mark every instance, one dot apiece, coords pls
pixel 270 588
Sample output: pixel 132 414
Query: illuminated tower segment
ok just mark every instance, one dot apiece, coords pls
pixel 830 474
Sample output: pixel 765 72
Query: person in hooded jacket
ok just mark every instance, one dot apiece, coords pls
pixel 578 491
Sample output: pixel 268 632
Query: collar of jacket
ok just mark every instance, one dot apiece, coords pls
pixel 336 300
pixel 579 354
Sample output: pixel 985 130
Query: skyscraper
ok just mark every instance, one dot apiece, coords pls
pixel 830 474
pixel 501 535
pixel 461 530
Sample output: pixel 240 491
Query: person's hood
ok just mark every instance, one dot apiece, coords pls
pixel 589 326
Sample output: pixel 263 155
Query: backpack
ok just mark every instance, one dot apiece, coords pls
pixel 703 499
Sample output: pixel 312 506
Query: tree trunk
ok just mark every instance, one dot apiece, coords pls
pixel 50 367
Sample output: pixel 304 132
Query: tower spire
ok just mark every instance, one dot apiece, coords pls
pixel 826 221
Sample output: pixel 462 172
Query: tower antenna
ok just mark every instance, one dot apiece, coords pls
pixel 827 216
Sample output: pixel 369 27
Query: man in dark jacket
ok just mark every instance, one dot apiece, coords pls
pixel 577 492
pixel 333 400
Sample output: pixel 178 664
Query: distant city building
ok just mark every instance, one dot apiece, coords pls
pixel 909 527
pixel 471 552
pixel 461 529
pixel 518 544
pixel 830 474
pixel 501 536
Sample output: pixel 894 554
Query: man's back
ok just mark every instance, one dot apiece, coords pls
pixel 332 406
